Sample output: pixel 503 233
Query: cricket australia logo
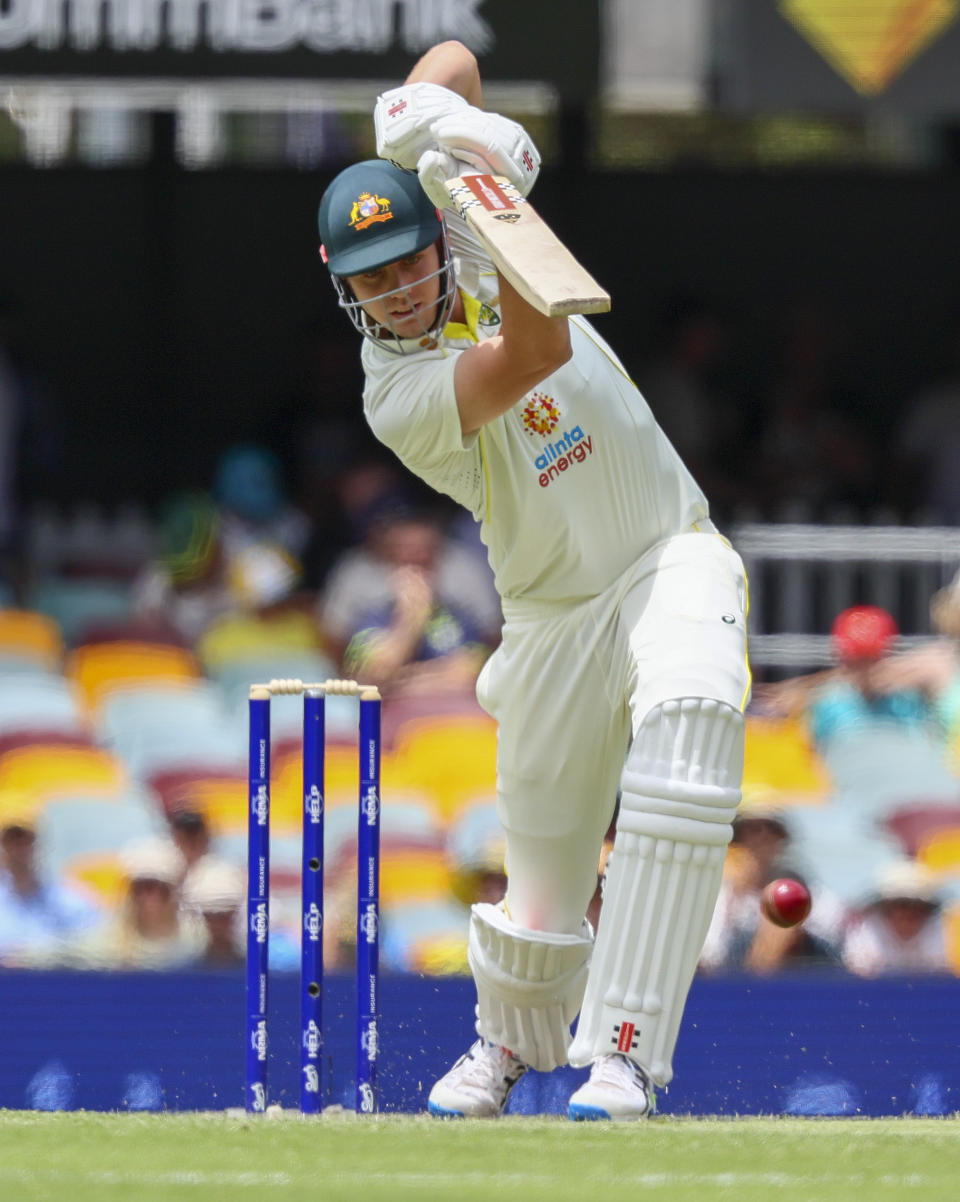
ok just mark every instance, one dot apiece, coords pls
pixel 311 1078
pixel 366 1098
pixel 541 415
pixel 368 209
pixel 488 316
pixel 259 1097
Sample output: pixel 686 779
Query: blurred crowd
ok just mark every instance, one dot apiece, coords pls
pixel 310 552
pixel 149 665
pixel 779 424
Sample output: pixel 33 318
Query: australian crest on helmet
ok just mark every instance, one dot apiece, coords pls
pixel 368 209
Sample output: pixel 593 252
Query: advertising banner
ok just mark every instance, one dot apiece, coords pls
pixel 839 56
pixel 555 41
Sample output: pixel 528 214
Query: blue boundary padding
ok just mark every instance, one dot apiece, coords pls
pixel 810 1044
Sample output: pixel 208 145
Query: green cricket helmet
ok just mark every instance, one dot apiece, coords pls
pixel 372 214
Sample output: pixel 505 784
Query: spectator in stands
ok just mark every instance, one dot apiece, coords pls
pixel 319 439
pixel 858 692
pixel 33 911
pixel 215 891
pixel 191 834
pixel 901 927
pixel 863 638
pixel 815 447
pixel 933 669
pixel 740 938
pixel 149 931
pixel 341 498
pixel 410 609
pixel 186 586
pixel 927 444
pixel 254 506
pixel 269 615
pixel 680 388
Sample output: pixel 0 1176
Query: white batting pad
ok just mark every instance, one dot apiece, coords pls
pixel 681 788
pixel 529 985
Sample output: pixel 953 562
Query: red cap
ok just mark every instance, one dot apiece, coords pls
pixel 863 632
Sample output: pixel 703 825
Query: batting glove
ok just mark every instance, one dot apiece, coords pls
pixel 435 168
pixel 403 116
pixel 489 143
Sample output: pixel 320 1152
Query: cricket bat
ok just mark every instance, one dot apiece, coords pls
pixel 524 248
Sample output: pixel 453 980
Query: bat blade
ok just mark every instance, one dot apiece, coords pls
pixel 524 248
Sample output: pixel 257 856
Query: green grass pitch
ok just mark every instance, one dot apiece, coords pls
pixel 81 1156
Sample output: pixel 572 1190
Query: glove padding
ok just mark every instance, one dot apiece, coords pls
pixel 435 168
pixel 402 119
pixel 487 142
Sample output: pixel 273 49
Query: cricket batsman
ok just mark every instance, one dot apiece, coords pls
pixel 623 662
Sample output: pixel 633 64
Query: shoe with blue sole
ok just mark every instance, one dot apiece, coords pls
pixel 478 1085
pixel 618 1090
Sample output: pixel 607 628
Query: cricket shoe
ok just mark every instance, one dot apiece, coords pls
pixel 617 1089
pixel 478 1085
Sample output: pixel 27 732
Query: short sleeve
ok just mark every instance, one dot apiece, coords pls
pixel 412 408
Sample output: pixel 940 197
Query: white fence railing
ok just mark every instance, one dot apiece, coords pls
pixel 802 576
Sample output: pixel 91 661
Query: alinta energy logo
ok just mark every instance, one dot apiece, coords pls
pixel 541 415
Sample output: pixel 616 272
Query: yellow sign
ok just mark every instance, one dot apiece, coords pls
pixel 869 42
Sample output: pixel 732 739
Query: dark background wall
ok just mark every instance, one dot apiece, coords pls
pixel 169 311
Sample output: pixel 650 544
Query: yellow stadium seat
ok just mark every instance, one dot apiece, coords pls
pixel 28 636
pixel 780 759
pixel 452 759
pixel 98 668
pixel 101 874
pixel 418 875
pixel 440 955
pixel 940 852
pixel 62 771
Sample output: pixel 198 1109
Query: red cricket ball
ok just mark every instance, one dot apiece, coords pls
pixel 785 902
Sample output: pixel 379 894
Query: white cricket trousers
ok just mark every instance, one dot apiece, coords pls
pixel 569 685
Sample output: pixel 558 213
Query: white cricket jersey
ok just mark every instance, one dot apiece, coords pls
pixel 571 485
